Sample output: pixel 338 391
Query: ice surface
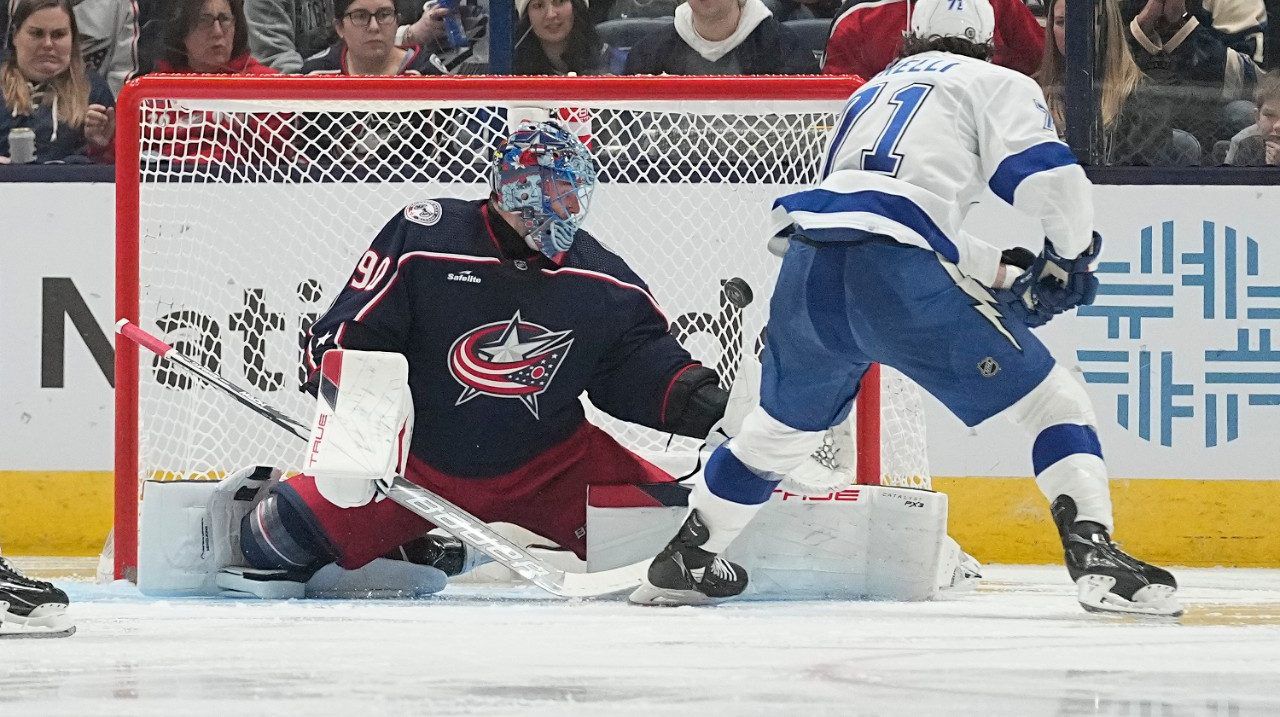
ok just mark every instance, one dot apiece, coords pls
pixel 1018 645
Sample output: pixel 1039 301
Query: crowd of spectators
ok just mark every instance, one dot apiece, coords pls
pixel 1178 82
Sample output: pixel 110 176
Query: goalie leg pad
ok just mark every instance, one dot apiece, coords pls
pixel 282 534
pixel 380 578
pixel 232 499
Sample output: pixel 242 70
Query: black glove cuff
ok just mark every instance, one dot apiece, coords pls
pixel 1020 257
pixel 695 402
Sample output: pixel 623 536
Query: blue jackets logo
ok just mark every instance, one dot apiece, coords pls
pixel 1188 347
pixel 508 359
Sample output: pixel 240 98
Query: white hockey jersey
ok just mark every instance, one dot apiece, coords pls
pixel 917 144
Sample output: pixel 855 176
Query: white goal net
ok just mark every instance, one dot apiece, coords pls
pixel 244 207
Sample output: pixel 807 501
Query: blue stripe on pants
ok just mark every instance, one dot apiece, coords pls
pixel 1057 442
pixel 731 479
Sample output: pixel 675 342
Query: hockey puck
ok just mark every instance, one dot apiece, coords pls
pixel 738 292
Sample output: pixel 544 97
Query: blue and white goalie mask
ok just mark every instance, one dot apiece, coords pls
pixel 544 174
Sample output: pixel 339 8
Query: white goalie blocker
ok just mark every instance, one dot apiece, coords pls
pixel 360 434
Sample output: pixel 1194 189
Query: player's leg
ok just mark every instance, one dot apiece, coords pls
pixel 1069 469
pixel 549 495
pixel 296 535
pixel 31 608
pixel 809 376
pixel 948 338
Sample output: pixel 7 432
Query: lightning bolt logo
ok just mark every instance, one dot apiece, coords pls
pixel 983 302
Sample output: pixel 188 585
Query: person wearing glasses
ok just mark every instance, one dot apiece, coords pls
pixel 208 37
pixel 396 143
pixel 367 44
pixel 211 37
pixel 286 33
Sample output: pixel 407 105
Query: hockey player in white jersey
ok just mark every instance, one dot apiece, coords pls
pixel 878 270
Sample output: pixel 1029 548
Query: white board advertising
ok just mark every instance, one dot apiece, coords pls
pixel 1177 353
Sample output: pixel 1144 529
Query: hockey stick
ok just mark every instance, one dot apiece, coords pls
pixel 420 501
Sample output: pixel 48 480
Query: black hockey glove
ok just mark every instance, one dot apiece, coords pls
pixel 695 403
pixel 1051 285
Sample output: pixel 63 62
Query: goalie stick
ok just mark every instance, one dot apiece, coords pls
pixel 420 501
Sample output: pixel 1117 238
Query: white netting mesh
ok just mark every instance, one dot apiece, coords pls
pixel 239 255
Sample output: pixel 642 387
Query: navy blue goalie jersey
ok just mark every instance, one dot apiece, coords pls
pixel 501 343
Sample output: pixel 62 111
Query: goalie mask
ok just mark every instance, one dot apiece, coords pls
pixel 544 174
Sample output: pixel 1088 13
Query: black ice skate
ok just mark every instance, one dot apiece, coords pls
pixel 31 608
pixel 685 574
pixel 443 552
pixel 1109 580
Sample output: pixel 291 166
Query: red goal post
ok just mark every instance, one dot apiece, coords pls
pixel 288 178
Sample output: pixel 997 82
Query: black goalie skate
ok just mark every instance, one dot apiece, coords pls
pixel 443 552
pixel 31 608
pixel 1108 579
pixel 685 574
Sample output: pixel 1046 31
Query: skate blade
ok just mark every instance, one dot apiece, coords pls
pixel 35 633
pixel 49 620
pixel 1153 600
pixel 650 594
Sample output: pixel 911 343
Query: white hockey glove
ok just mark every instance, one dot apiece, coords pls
pixel 363 425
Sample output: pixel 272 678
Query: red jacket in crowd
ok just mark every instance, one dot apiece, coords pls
pixel 207 136
pixel 867 35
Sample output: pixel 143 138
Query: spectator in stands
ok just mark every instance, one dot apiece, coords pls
pixel 282 33
pixel 286 33
pixel 1259 144
pixel 108 36
pixel 1271 45
pixel 867 35
pixel 45 87
pixel 1135 127
pixel 556 37
pixel 210 37
pixel 1205 70
pixel 367 44
pixel 427 30
pixel 721 37
pixel 367 31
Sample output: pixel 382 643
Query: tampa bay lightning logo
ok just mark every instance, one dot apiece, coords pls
pixel 508 359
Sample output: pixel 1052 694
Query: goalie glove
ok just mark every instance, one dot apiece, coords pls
pixel 1051 285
